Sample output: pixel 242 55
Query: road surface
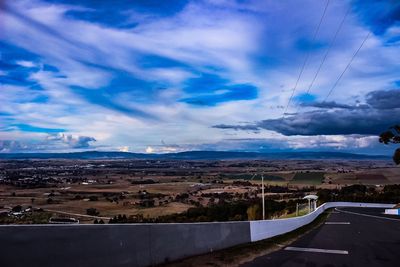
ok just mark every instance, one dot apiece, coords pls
pixel 350 237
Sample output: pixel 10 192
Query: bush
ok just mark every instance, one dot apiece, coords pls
pixel 93 198
pixel 92 212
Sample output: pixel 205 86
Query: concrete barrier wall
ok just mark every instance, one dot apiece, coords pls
pixel 392 211
pixel 269 228
pixel 175 241
pixel 137 244
pixel 114 245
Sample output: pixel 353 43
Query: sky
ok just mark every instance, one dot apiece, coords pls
pixel 169 76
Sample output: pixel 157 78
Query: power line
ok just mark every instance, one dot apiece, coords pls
pixel 347 66
pixel 327 52
pixel 343 72
pixel 306 58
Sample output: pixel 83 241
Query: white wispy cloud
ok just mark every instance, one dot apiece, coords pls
pixel 261 43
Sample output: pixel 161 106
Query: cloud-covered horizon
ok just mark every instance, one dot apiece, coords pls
pixel 189 75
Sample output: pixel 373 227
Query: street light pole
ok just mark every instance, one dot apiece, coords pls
pixel 263 198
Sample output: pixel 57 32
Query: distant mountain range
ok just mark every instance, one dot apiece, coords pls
pixel 192 155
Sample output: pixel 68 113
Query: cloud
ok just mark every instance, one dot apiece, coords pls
pixel 72 141
pixel 149 150
pixel 123 149
pixel 388 99
pixel 26 64
pixel 237 127
pixel 327 105
pixel 280 143
pixel 164 148
pixel 382 109
pixel 339 122
pixel 379 15
pixel 46 143
pixel 7 146
pixel 133 73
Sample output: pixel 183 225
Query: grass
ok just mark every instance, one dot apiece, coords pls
pixel 292 215
pixel 240 254
pixel 313 178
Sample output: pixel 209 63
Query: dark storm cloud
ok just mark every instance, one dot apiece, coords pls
pixel 327 105
pixel 338 122
pixel 248 127
pixel 381 111
pixel 384 99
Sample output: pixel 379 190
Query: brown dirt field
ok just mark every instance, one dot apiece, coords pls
pixel 374 177
pixel 227 189
pixel 109 209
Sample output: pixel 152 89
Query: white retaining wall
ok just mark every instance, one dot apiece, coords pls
pixel 269 228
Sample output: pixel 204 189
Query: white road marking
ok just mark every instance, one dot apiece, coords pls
pixel 337 222
pixel 367 215
pixel 318 250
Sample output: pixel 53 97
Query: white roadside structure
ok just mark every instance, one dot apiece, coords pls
pixel 312 202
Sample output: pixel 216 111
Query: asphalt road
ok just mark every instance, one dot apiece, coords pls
pixel 351 237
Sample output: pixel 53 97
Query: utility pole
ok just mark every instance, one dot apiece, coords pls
pixel 263 200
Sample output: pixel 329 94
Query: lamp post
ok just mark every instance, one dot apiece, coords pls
pixel 263 197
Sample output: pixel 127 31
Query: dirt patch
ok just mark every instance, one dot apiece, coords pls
pixel 371 177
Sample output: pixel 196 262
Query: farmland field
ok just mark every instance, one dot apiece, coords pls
pixel 267 177
pixel 312 178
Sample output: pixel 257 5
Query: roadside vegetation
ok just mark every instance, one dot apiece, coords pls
pixel 361 193
pixel 28 217
pixel 392 136
pixel 251 210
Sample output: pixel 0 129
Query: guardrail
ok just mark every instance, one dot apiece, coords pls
pixel 137 244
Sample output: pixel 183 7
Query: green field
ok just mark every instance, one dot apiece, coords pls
pixel 312 178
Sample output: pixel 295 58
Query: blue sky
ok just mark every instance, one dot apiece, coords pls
pixel 169 76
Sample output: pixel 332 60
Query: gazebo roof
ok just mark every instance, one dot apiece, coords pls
pixel 314 197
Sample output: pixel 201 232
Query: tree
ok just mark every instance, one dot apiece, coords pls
pixel 392 136
pixel 93 198
pixel 92 212
pixel 17 208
